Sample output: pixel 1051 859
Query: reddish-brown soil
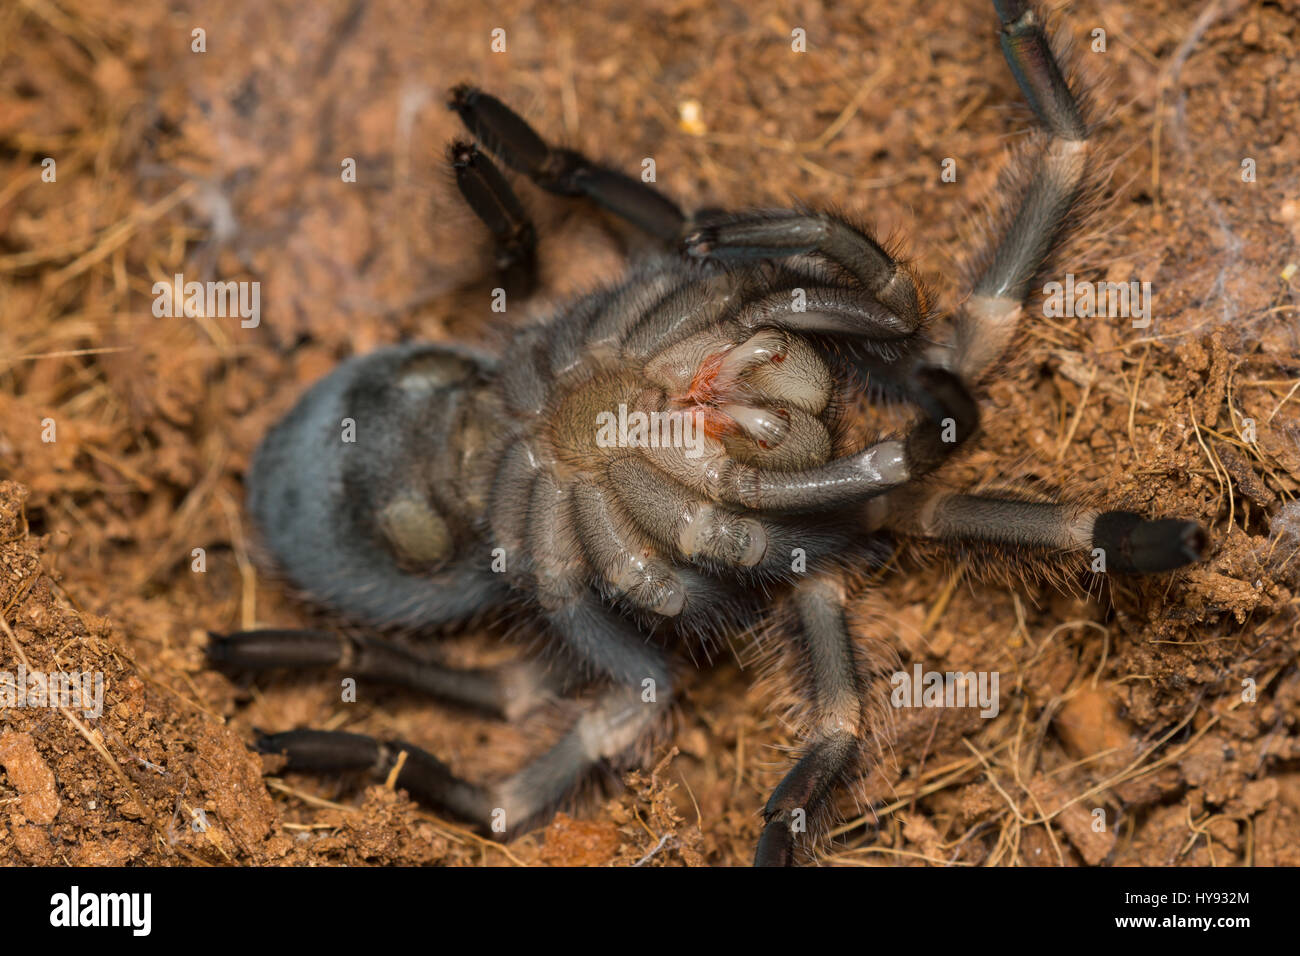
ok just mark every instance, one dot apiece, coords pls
pixel 1171 704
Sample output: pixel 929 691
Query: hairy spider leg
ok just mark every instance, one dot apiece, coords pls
pixel 487 193
pixel 564 172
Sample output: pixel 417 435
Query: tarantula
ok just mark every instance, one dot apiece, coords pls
pixel 478 483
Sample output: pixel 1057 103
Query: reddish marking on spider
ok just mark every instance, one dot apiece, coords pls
pixel 704 385
pixel 716 424
pixel 706 393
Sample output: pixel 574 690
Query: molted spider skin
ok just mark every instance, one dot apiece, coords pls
pixel 658 465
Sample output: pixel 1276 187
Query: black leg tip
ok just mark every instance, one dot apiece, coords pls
pixel 1194 542
pixel 953 413
pixel 1135 545
pixel 265 742
pixel 461 154
pixel 461 97
pixel 218 648
pixel 321 750
pixel 775 845
pixel 944 396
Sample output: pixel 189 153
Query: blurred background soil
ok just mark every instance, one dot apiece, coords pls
pixel 1171 704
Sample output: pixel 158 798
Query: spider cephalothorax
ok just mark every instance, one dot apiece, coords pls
pixel 638 471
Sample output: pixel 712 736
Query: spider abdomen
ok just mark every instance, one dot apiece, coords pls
pixel 369 491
